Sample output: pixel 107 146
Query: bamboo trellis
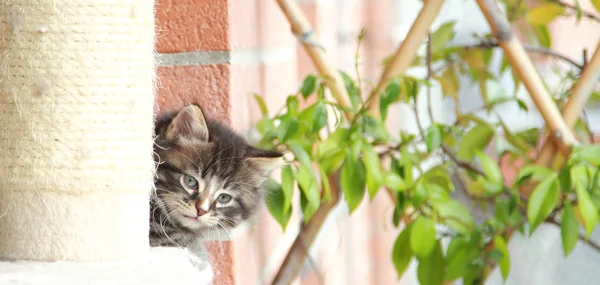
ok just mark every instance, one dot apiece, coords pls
pixel 561 135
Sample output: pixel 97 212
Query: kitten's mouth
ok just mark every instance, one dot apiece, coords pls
pixel 195 219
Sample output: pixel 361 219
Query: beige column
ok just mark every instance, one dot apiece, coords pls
pixel 76 101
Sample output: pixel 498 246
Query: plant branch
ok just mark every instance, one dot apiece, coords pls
pixel 581 93
pixel 461 163
pixel 302 28
pixel 308 231
pixel 406 52
pixel 522 65
pixel 540 50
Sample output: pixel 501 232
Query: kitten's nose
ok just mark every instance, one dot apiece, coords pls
pixel 200 211
pixel 200 207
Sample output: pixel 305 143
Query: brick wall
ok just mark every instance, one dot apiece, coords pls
pixel 194 67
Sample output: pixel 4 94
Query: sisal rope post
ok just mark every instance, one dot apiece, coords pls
pixel 76 101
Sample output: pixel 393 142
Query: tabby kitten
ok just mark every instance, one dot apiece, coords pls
pixel 209 180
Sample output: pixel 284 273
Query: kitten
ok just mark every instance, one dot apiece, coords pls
pixel 209 180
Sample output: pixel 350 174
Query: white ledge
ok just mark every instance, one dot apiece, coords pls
pixel 163 266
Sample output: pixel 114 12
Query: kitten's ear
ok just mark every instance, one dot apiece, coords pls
pixel 189 123
pixel 266 161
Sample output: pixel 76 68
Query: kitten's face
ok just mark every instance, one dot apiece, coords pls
pixel 209 180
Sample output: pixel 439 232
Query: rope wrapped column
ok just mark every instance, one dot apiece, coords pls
pixel 76 101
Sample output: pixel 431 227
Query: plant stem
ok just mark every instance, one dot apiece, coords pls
pixel 522 65
pixel 407 50
pixel 533 49
pixel 308 231
pixel 461 163
pixel 303 30
pixel 581 93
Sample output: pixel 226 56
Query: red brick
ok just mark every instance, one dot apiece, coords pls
pixel 207 86
pixel 222 262
pixel 192 25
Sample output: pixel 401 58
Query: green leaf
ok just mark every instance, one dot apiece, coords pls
pixel 419 195
pixel 500 245
pixel 398 210
pixel 292 105
pixel 335 142
pixel 332 161
pixel 436 192
pixel 543 200
pixel 261 103
pixel 319 117
pixel 477 138
pixel 353 91
pixel 596 4
pixel 543 36
pixel 564 177
pixel 456 216
pixel 449 83
pixel 265 126
pixel 459 256
pixel 534 172
pixel 422 237
pixel 474 58
pixel 544 14
pixel 394 181
pixel 569 229
pixel 308 86
pixel 402 254
pixel 352 181
pixel 325 183
pixel 522 105
pixel 441 36
pixel 587 209
pixel 287 129
pixel 434 138
pixel 309 208
pixel 373 167
pixel 287 187
pixel 579 174
pixel 301 155
pixel 275 200
pixel 311 196
pixel 492 171
pixel 589 153
pixel 431 268
pixel 391 95
pixel 306 116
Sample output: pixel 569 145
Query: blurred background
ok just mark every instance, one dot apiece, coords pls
pixel 219 53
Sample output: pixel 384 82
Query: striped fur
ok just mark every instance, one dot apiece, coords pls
pixel 221 161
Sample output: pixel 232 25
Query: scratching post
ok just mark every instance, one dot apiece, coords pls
pixel 76 101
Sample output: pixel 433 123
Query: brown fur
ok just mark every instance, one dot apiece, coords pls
pixel 222 162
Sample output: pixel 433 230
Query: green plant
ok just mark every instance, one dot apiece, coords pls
pixel 353 147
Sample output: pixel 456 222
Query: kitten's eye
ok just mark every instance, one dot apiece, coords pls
pixel 189 181
pixel 224 198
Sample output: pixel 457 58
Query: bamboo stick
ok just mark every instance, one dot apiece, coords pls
pixel 407 50
pixel 522 65
pixel 302 28
pixel 580 94
pixel 308 232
